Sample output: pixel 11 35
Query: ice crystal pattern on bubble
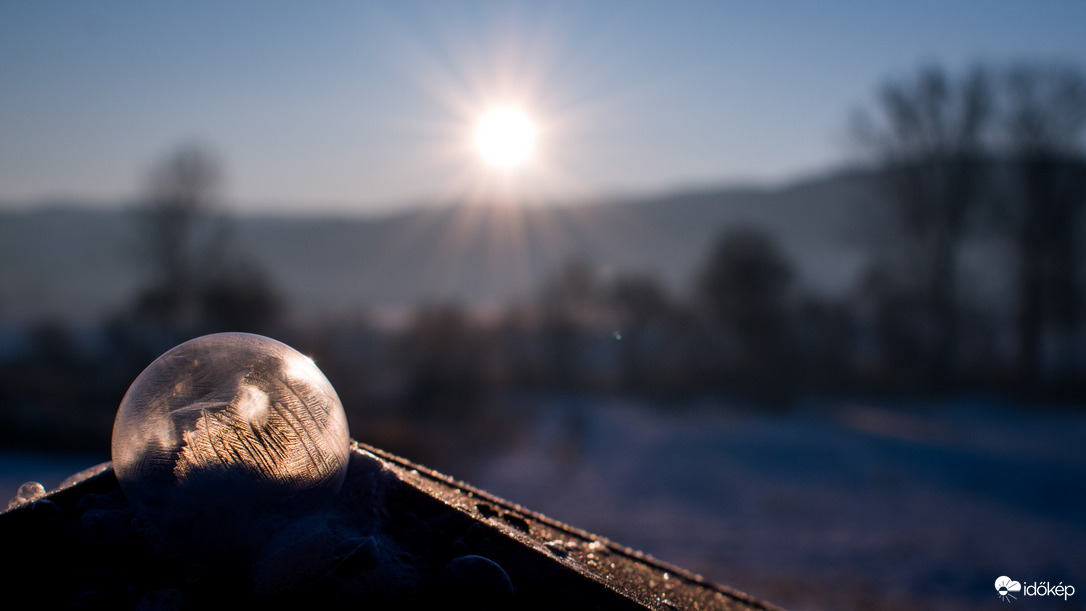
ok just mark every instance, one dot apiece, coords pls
pixel 230 417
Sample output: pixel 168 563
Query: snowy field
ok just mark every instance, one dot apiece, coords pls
pixel 824 507
pixel 845 506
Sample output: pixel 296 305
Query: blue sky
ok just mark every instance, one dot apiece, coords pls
pixel 354 107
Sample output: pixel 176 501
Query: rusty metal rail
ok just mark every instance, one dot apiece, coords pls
pixel 399 536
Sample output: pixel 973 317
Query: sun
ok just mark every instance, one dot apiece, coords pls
pixel 505 137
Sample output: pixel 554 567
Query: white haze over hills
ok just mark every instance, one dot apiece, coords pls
pixel 78 263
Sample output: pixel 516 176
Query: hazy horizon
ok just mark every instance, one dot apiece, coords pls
pixel 302 210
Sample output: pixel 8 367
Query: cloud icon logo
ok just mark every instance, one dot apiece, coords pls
pixel 1005 585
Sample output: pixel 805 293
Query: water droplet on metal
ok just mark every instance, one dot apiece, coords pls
pixel 557 547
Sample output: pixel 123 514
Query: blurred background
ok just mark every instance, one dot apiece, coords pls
pixel 791 295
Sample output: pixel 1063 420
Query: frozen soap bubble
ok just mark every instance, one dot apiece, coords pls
pixel 225 430
pixel 27 493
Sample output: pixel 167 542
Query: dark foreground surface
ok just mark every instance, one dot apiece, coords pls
pixel 398 536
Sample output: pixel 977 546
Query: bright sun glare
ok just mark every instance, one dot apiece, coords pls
pixel 505 137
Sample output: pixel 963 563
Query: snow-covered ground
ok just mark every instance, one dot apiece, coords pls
pixel 825 507
pixel 830 506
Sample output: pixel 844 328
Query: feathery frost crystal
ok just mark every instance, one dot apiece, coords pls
pixel 230 423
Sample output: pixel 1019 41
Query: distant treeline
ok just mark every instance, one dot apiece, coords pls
pixel 745 331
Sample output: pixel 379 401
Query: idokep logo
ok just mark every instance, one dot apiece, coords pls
pixel 1005 586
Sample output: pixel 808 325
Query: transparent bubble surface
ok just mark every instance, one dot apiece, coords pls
pixel 28 492
pixel 229 423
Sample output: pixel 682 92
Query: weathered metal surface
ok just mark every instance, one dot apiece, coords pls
pixel 399 536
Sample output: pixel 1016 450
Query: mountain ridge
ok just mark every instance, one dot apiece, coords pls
pixel 80 264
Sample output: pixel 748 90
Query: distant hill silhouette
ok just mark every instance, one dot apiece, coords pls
pixel 79 263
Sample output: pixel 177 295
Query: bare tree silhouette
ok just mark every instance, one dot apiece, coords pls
pixel 645 319
pixel 198 282
pixel 181 231
pixel 1044 124
pixel 744 287
pixel 927 133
